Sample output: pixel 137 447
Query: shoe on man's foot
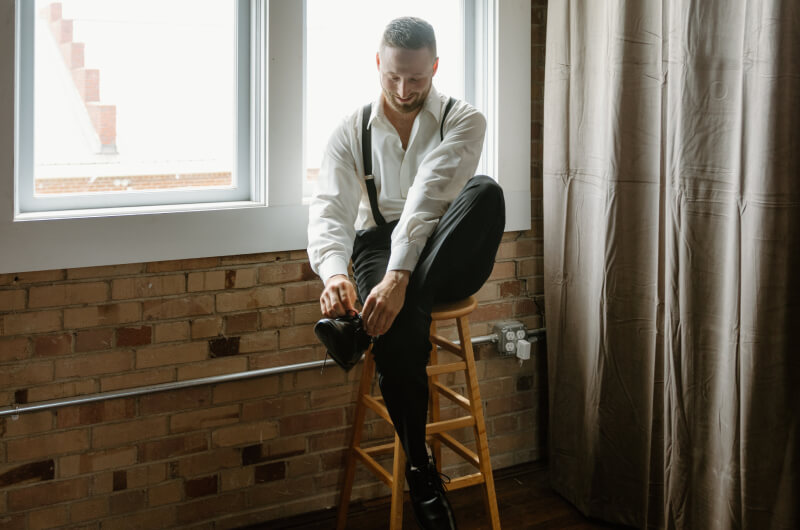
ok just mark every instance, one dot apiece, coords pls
pixel 431 507
pixel 344 337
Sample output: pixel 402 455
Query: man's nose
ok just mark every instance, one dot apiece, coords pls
pixel 403 89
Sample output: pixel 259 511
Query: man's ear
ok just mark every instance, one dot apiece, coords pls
pixel 378 60
pixel 435 66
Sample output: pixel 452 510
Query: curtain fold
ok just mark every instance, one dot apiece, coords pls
pixel 672 255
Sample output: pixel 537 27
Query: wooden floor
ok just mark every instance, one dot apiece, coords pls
pixel 523 495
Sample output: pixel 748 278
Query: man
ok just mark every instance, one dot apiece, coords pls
pixel 420 229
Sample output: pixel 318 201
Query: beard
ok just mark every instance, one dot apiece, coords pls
pixel 408 106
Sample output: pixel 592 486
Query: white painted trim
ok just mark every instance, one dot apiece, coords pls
pixel 153 234
pixel 510 98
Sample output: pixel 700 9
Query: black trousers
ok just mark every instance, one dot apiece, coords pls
pixel 456 261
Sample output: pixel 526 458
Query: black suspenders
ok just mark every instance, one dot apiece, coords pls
pixel 366 151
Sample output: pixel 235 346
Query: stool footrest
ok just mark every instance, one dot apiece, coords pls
pixel 452 395
pixel 465 481
pixel 445 344
pixel 465 452
pixel 374 466
pixel 379 449
pixel 449 425
pixel 448 368
pixel 377 405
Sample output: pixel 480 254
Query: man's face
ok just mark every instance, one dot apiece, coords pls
pixel 406 76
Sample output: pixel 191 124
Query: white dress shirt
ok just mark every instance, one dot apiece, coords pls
pixel 415 185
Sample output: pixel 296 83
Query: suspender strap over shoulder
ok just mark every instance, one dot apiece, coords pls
pixel 366 152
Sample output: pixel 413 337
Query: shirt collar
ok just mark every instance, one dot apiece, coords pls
pixel 434 104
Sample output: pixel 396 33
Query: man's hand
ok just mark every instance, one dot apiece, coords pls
pixel 384 302
pixel 338 296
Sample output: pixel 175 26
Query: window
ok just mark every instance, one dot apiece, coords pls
pixel 341 73
pixel 271 215
pixel 134 103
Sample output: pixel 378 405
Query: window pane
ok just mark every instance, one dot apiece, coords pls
pixel 134 95
pixel 342 38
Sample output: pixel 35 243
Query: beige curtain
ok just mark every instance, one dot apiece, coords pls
pixel 672 260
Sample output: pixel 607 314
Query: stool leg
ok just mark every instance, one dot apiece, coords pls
pixel 355 440
pixel 436 445
pixel 474 395
pixel 398 484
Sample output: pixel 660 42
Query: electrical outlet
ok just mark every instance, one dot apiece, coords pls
pixel 508 332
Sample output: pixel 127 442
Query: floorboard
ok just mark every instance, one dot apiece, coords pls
pixel 524 497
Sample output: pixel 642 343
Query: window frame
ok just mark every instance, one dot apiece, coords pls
pixel 247 188
pixel 277 219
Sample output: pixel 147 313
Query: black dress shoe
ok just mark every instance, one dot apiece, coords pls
pixel 344 337
pixel 431 507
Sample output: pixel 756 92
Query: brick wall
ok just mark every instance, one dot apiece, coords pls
pixel 234 453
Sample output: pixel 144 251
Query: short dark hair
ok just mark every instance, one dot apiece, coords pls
pixel 410 33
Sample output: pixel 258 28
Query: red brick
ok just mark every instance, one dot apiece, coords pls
pixel 26 374
pixel 270 472
pixel 137 378
pixel 30 472
pixel 249 299
pixel 274 408
pixel 12 300
pixel 306 292
pixel 305 314
pixel 126 502
pixel 201 487
pixel 244 434
pixel 186 306
pixel 150 519
pixel 172 332
pixel 148 287
pixel 118 434
pixel 205 463
pixel 97 461
pixel 240 278
pixel 260 258
pixel 104 272
pixel 147 475
pixel 61 390
pixel 258 342
pixel 94 364
pixel 88 509
pixel 171 354
pixel 174 400
pixel 102 315
pixel 313 421
pixel 34 322
pixel 242 322
pixel 97 412
pixel 29 423
pixel 223 365
pixel 51 345
pixel 166 493
pixel 134 336
pixel 172 447
pixel 23 278
pixel 206 281
pixel 93 340
pixel 211 507
pixel 296 336
pixel 14 349
pixel 285 273
pixel 206 327
pixel 244 390
pixel 182 265
pixel 33 447
pixel 203 419
pixel 68 294
pixel 51 517
pixel 276 318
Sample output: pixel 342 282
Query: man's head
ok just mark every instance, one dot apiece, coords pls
pixel 407 62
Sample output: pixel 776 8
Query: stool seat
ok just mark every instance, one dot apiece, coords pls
pixel 437 429
pixel 456 309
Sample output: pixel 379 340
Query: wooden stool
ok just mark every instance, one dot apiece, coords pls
pixel 436 429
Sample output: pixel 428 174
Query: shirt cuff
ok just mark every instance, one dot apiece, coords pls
pixel 404 258
pixel 332 266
